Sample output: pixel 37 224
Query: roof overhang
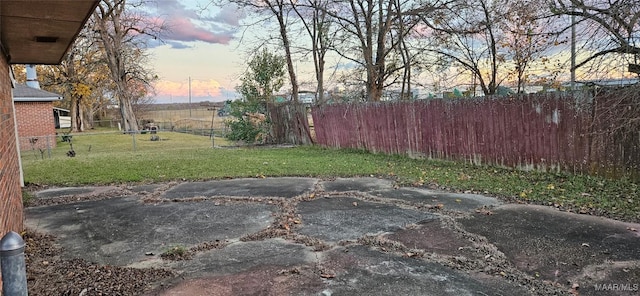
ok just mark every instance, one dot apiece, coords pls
pixel 38 99
pixel 41 32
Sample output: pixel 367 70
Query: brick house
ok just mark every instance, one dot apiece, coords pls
pixel 34 116
pixel 31 32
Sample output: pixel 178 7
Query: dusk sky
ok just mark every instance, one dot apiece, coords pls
pixel 202 42
pixel 199 43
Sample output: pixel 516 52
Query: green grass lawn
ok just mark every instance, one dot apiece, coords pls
pixel 112 158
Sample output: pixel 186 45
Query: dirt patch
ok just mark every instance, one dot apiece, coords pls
pixel 48 274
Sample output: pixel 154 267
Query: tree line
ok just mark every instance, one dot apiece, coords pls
pixel 488 43
pixel 386 44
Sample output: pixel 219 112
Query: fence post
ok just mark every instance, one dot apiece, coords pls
pixel 49 145
pixel 133 137
pixel 12 264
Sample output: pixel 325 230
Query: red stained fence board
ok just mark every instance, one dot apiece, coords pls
pixel 548 131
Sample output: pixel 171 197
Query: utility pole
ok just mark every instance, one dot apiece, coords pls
pixel 573 51
pixel 189 96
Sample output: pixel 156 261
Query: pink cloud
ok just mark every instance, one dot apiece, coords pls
pixel 183 29
pixel 188 24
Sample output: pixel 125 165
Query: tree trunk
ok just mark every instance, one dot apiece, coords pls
pixel 129 122
pixel 75 123
pixel 290 124
pixel 112 33
pixel 291 127
pixel 88 118
pixel 77 117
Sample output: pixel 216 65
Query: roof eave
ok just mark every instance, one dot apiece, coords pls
pixel 34 99
pixel 41 32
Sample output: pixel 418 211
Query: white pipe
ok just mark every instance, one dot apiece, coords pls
pixel 32 76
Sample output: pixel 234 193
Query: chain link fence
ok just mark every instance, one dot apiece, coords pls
pixel 189 126
pixel 157 131
pixel 105 141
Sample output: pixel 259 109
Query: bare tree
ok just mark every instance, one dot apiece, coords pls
pixel 313 16
pixel 281 10
pixel 122 32
pixel 366 29
pixel 528 34
pixel 611 34
pixel 614 26
pixel 466 34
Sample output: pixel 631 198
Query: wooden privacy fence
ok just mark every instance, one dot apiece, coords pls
pixel 549 131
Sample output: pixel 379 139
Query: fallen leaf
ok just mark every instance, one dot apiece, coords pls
pixel 355 204
pixel 632 229
pixel 585 245
pixel 458 200
pixel 484 211
pixel 327 275
pixel 463 177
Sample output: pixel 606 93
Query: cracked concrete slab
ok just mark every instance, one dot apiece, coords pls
pixel 357 184
pixel 559 246
pixel 269 187
pixel 121 231
pixel 260 280
pixel 432 237
pixel 362 271
pixel 344 218
pixel 242 256
pixel 449 201
pixel 145 188
pixel 77 191
pixel 504 250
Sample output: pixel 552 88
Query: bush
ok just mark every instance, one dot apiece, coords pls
pixel 249 123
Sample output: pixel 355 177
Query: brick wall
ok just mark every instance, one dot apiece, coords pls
pixel 10 191
pixel 36 127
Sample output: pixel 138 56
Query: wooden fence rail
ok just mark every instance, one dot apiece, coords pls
pixel 549 131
